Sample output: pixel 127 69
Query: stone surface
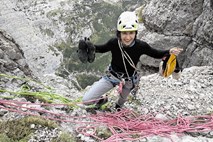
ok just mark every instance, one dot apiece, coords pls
pixel 176 23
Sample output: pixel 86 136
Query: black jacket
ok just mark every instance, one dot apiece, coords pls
pixel 138 49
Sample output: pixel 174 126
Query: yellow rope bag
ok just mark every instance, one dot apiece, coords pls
pixel 168 66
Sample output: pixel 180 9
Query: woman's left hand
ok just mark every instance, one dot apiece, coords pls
pixel 175 51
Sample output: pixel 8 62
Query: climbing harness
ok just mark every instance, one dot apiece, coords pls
pixel 125 55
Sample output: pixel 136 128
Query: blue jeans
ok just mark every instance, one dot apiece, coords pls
pixel 105 84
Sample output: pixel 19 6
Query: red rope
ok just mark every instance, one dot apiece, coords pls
pixel 124 125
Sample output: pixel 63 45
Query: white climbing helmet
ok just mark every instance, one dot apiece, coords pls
pixel 127 21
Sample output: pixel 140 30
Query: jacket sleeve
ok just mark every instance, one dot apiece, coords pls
pixel 155 53
pixel 104 47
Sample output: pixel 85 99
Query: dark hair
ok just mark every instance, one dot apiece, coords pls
pixel 118 34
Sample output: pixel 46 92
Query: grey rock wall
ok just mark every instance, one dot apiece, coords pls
pixel 40 57
pixel 186 24
pixel 12 59
pixel 37 25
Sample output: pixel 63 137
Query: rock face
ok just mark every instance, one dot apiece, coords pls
pixel 186 24
pixel 42 24
pixel 40 58
pixel 185 96
pixel 12 58
pixel 39 26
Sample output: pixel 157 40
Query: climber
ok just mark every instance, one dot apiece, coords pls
pixel 126 50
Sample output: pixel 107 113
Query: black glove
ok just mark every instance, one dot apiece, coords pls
pixel 82 51
pixel 90 51
pixel 86 51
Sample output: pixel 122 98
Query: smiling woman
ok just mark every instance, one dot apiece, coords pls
pixel 126 50
pixel 127 38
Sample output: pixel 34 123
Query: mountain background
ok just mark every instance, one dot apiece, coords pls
pixel 39 39
pixel 49 32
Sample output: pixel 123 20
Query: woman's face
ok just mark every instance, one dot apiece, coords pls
pixel 128 37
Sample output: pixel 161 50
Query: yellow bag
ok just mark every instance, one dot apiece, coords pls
pixel 169 65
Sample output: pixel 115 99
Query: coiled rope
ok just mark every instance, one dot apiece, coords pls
pixel 123 125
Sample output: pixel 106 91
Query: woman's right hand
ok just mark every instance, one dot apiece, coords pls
pixel 175 50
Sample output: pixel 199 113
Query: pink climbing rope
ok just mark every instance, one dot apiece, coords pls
pixel 123 125
pixel 120 86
